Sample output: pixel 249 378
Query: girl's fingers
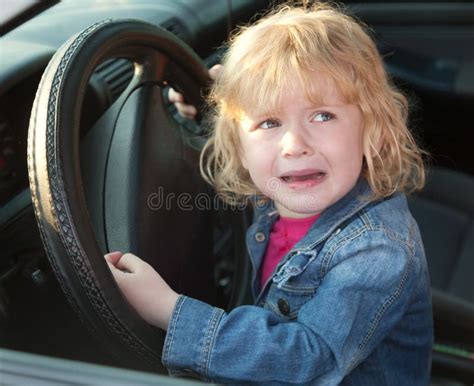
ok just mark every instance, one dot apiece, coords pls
pixel 113 257
pixel 186 110
pixel 214 71
pixel 129 263
pixel 175 96
pixel 113 269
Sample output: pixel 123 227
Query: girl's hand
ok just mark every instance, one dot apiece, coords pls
pixel 189 111
pixel 143 287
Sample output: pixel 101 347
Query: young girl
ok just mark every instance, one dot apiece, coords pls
pixel 309 126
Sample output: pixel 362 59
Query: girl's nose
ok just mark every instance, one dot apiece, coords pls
pixel 293 144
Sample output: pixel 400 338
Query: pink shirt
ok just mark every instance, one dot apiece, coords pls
pixel 285 233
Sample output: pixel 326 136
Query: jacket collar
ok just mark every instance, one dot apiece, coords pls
pixel 332 218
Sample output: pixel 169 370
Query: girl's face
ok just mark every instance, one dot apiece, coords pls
pixel 306 156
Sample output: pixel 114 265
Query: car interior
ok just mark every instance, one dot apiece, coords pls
pixel 107 97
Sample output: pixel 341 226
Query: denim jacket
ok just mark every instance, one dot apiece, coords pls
pixel 349 304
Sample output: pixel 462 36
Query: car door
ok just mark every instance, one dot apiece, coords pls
pixel 428 52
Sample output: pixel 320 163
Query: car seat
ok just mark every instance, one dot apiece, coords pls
pixel 444 211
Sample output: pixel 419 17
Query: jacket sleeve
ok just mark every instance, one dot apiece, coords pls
pixel 364 293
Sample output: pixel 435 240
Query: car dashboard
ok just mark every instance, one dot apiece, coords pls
pixel 27 50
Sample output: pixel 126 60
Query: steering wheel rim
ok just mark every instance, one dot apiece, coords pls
pixel 54 166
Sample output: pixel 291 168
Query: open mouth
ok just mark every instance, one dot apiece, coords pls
pixel 303 178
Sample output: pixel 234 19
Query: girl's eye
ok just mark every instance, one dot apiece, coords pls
pixel 323 117
pixel 269 124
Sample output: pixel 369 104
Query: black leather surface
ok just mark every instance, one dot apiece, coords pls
pixel 72 245
pixel 445 213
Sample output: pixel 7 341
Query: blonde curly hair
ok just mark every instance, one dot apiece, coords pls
pixel 290 41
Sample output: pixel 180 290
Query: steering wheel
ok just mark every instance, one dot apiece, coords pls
pixel 101 193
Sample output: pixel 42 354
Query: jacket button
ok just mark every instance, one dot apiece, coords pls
pixel 259 237
pixel 283 306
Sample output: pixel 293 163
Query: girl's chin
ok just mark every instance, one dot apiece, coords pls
pixel 299 207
